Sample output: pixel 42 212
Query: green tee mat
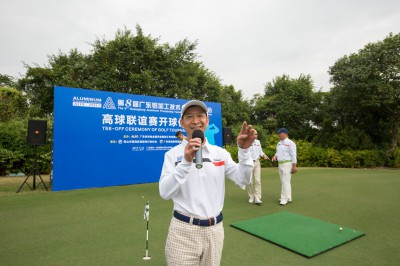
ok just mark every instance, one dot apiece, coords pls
pixel 303 235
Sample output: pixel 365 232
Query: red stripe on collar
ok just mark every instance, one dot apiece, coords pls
pixel 219 163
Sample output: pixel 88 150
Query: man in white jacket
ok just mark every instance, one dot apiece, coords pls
pixel 196 232
pixel 286 155
pixel 254 189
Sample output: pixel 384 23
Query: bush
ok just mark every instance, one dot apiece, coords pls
pixel 304 153
pixel 233 150
pixel 309 155
pixel 9 161
pixel 371 158
pixel 16 155
pixel 394 159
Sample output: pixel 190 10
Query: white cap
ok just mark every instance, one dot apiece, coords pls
pixel 194 103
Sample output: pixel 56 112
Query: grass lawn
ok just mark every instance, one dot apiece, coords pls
pixel 105 226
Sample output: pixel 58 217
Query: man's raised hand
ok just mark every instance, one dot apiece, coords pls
pixel 246 136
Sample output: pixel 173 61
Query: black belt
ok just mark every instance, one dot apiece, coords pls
pixel 200 222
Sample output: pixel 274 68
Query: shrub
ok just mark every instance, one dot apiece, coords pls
pixel 16 155
pixel 310 155
pixel 10 161
pixel 394 159
pixel 233 150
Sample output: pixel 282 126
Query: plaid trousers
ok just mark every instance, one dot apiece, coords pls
pixel 189 244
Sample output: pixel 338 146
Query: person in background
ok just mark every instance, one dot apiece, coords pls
pixel 286 153
pixel 254 189
pixel 196 232
pixel 179 135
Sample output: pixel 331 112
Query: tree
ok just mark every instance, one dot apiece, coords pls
pixel 139 64
pixel 129 64
pixel 13 104
pixel 38 84
pixel 235 109
pixel 6 81
pixel 366 90
pixel 289 103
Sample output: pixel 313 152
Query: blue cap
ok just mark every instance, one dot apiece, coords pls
pixel 283 130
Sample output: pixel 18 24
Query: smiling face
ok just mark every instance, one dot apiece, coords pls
pixel 194 118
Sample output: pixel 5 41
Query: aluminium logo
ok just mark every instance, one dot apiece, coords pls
pixel 83 101
pixel 109 104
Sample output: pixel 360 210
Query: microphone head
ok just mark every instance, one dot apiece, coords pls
pixel 198 134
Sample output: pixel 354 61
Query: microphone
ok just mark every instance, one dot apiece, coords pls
pixel 199 156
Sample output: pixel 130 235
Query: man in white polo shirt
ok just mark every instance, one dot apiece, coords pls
pixel 254 189
pixel 196 232
pixel 179 135
pixel 286 155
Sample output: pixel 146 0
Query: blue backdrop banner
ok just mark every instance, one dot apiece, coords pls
pixel 107 139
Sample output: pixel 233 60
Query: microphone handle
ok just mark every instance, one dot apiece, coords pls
pixel 199 158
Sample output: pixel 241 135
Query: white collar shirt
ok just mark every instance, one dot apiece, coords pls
pixel 201 192
pixel 286 151
pixel 256 150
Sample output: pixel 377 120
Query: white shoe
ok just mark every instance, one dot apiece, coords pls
pixel 283 202
pixel 251 200
pixel 257 200
pixel 288 201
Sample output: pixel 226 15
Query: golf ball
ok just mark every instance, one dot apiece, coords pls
pixel 340 228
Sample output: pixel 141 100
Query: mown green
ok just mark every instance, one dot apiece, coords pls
pixel 106 227
pixel 301 234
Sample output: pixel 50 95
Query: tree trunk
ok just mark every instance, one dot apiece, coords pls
pixel 395 135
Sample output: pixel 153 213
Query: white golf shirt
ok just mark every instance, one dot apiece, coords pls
pixel 286 151
pixel 201 192
pixel 256 150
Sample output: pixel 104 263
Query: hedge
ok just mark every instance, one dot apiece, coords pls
pixel 17 156
pixel 309 155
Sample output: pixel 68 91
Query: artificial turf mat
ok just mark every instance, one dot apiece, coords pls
pixel 303 235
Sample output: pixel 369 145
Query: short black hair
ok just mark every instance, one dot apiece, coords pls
pixel 177 133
